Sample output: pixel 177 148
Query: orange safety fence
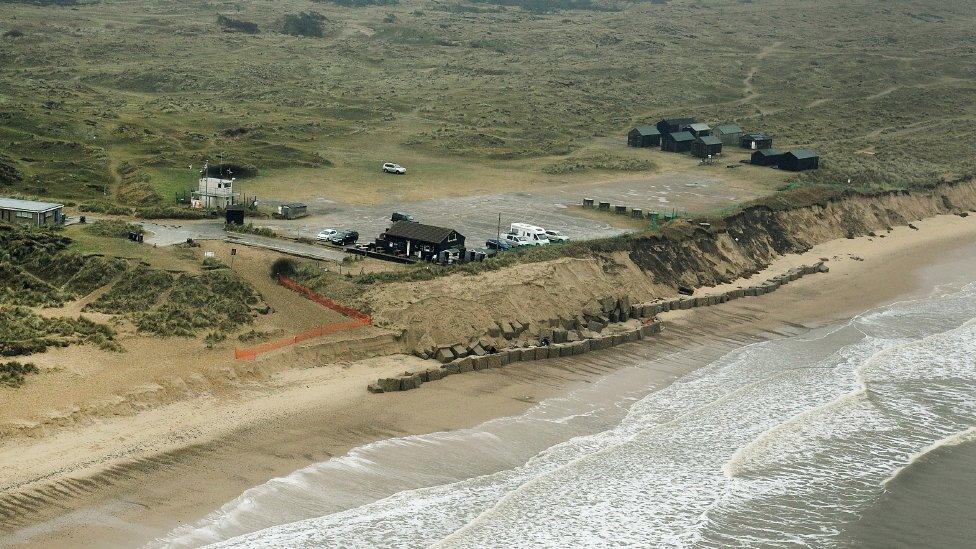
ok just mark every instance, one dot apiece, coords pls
pixel 358 319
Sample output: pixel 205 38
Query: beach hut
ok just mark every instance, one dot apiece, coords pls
pixel 706 146
pixel 799 160
pixel 730 134
pixel 671 125
pixel 698 129
pixel 677 142
pixel 644 135
pixel 756 141
pixel 767 157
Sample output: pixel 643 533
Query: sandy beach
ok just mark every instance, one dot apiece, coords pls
pixel 125 480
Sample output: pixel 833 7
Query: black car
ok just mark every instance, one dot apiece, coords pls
pixel 345 238
pixel 496 244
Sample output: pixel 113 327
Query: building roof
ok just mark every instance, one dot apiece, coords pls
pixel 294 205
pixel 28 205
pixel 710 140
pixel 647 129
pixel 770 152
pixel 682 136
pixel 699 126
pixel 804 153
pixel 419 231
pixel 728 128
pixel 757 136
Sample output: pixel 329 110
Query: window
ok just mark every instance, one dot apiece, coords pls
pixel 25 215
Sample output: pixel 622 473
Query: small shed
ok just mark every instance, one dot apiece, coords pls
pixel 698 129
pixel 293 210
pixel 644 135
pixel 799 160
pixel 767 157
pixel 31 212
pixel 677 142
pixel 706 146
pixel 757 141
pixel 419 240
pixel 671 125
pixel 234 214
pixel 730 134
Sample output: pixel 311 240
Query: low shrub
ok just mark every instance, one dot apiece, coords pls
pixel 13 374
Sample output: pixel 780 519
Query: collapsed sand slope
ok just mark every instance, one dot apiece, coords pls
pixel 460 307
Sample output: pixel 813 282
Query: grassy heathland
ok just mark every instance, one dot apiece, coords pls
pixel 114 100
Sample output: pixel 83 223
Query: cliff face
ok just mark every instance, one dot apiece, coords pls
pixel 459 307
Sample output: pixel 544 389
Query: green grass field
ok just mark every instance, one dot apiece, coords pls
pixel 116 99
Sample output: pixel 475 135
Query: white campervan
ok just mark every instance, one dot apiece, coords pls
pixel 536 236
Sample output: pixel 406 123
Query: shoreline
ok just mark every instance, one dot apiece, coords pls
pixel 183 460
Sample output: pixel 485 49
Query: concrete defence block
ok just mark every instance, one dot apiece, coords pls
pixel 505 357
pixel 557 350
pixel 478 350
pixel 608 304
pixel 493 361
pixel 444 355
pixel 595 326
pixel 460 351
pixel 618 339
pixel 479 363
pixel 636 311
pixel 451 369
pixel 559 335
pixel 624 303
pixel 411 382
pixel 633 336
pixel 494 330
pixel 433 374
pixel 699 301
pixel 514 355
pixel 573 336
pixel 388 384
pixel 529 353
pixel 685 304
pixel 613 316
pixel 507 331
pixel 822 268
pixel 657 327
pixel 374 388
pixel 645 331
pixel 586 345
pixel 465 365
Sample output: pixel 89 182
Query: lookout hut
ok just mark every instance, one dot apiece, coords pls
pixel 671 125
pixel 418 240
pixel 705 146
pixel 756 141
pixel 644 135
pixel 730 134
pixel 677 142
pixel 31 212
pixel 799 160
pixel 698 129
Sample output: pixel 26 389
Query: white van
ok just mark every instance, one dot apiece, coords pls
pixel 536 236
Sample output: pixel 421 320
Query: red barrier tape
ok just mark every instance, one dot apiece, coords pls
pixel 359 319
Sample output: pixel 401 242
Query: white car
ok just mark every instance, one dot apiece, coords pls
pixel 517 240
pixel 556 236
pixel 390 167
pixel 326 234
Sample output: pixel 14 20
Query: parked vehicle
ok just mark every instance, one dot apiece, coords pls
pixel 326 234
pixel 400 216
pixel 556 236
pixel 344 238
pixel 498 244
pixel 517 241
pixel 390 167
pixel 534 235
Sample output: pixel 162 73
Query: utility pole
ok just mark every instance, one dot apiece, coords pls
pixel 498 232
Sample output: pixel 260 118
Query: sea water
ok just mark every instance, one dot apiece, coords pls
pixel 860 433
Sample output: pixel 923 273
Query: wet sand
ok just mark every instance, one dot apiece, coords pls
pixel 181 461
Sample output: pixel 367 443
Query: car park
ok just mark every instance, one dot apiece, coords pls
pixel 517 241
pixel 344 238
pixel 498 244
pixel 390 167
pixel 556 236
pixel 326 234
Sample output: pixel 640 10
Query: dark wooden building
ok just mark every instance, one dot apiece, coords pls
pixel 234 214
pixel 698 129
pixel 705 146
pixel 799 160
pixel 757 141
pixel 730 134
pixel 677 142
pixel 293 210
pixel 644 135
pixel 418 240
pixel 671 125
pixel 767 157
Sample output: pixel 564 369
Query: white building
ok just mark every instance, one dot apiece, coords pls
pixel 213 192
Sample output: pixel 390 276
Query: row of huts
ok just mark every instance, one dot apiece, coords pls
pixel 687 135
